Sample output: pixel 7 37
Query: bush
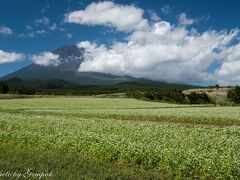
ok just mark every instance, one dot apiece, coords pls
pixel 136 94
pixel 234 95
pixel 3 88
pixel 166 94
pixel 198 98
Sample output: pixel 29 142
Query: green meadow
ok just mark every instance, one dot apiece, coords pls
pixel 119 138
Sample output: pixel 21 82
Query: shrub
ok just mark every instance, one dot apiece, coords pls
pixel 198 98
pixel 234 95
pixel 166 94
pixel 136 94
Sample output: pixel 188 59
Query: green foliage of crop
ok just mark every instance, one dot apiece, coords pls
pixel 125 109
pixel 87 138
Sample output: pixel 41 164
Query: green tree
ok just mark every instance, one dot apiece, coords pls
pixel 4 88
pixel 234 95
pixel 198 98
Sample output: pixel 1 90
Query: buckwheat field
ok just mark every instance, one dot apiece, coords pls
pixel 87 138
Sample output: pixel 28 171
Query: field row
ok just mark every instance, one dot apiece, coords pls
pixel 125 109
pixel 200 116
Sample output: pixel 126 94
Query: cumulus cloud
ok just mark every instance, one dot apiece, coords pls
pixel 228 73
pixel 46 59
pixel 184 20
pixel 163 51
pixel 4 30
pixel 122 17
pixel 9 57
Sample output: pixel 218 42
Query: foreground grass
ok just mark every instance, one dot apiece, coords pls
pixel 46 135
pixel 15 158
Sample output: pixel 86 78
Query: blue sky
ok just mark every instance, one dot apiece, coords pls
pixel 38 25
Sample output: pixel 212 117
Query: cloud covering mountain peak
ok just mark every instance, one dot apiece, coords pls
pixel 161 51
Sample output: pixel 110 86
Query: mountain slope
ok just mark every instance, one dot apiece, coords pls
pixel 38 72
pixel 70 57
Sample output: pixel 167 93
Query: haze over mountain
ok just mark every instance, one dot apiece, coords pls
pixel 70 57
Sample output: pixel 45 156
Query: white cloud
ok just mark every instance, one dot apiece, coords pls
pixel 123 17
pixel 40 32
pixel 4 30
pixel 162 51
pixel 33 34
pixel 46 59
pixel 27 35
pixel 184 20
pixel 53 27
pixel 28 27
pixel 9 57
pixel 43 20
pixel 69 35
pixel 228 73
pixel 154 16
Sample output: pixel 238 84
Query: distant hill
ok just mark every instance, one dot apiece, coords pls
pixel 62 84
pixel 61 87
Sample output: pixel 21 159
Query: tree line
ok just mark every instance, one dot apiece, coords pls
pixel 5 88
pixel 135 90
pixel 174 95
